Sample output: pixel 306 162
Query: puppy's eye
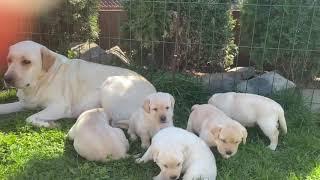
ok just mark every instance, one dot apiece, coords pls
pixel 223 140
pixel 26 62
pixel 9 61
pixel 167 107
pixel 155 109
pixel 165 166
pixel 178 164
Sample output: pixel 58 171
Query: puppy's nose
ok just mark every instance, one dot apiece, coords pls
pixel 8 79
pixel 228 152
pixel 163 119
pixel 173 177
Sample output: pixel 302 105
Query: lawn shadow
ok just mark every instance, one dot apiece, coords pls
pixel 16 123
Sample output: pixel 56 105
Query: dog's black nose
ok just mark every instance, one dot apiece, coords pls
pixel 163 119
pixel 228 152
pixel 173 177
pixel 8 79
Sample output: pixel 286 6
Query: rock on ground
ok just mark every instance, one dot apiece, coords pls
pixel 312 99
pixel 227 81
pixel 265 84
pixel 90 51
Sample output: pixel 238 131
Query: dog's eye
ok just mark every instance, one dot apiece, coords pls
pixel 155 109
pixel 167 107
pixel 9 61
pixel 178 164
pixel 223 140
pixel 165 166
pixel 25 62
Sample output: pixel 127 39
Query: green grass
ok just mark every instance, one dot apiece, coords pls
pixel 27 152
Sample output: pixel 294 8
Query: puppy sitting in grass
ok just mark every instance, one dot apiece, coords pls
pixel 156 114
pixel 216 129
pixel 250 110
pixel 176 152
pixel 95 140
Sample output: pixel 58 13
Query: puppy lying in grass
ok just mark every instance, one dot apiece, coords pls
pixel 95 140
pixel 251 109
pixel 177 151
pixel 156 114
pixel 216 129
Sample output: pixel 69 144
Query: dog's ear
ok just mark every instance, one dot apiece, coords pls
pixel 47 58
pixel 215 131
pixel 146 105
pixel 244 134
pixel 172 101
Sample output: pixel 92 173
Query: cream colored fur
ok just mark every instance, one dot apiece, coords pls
pixel 217 129
pixel 177 151
pixel 250 110
pixel 95 140
pixel 156 114
pixel 64 88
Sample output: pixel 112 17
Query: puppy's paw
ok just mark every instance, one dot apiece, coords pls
pixel 139 160
pixel 157 177
pixel 272 147
pixel 35 122
pixel 136 156
pixel 133 137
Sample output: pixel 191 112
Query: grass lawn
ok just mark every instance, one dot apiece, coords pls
pixel 28 152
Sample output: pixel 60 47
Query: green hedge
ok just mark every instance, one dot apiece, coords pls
pixel 73 21
pixel 202 31
pixel 285 35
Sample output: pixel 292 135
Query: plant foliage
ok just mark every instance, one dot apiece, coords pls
pixel 73 21
pixel 182 34
pixel 283 34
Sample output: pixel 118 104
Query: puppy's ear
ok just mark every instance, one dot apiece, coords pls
pixel 216 131
pixel 47 58
pixel 146 105
pixel 172 101
pixel 244 134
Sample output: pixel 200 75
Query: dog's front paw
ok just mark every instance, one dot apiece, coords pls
pixel 35 122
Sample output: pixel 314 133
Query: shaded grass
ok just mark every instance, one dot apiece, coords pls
pixel 27 152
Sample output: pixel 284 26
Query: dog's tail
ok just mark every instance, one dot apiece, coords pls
pixel 124 124
pixel 282 121
pixel 194 107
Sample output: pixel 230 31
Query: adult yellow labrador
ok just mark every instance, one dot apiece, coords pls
pixel 64 88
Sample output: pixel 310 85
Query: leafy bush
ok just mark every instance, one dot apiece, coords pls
pixel 195 34
pixel 283 34
pixel 72 21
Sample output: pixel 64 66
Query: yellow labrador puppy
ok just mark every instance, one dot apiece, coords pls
pixel 156 114
pixel 65 88
pixel 95 140
pixel 177 151
pixel 251 109
pixel 217 129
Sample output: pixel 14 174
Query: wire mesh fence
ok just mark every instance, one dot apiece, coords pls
pixel 276 42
